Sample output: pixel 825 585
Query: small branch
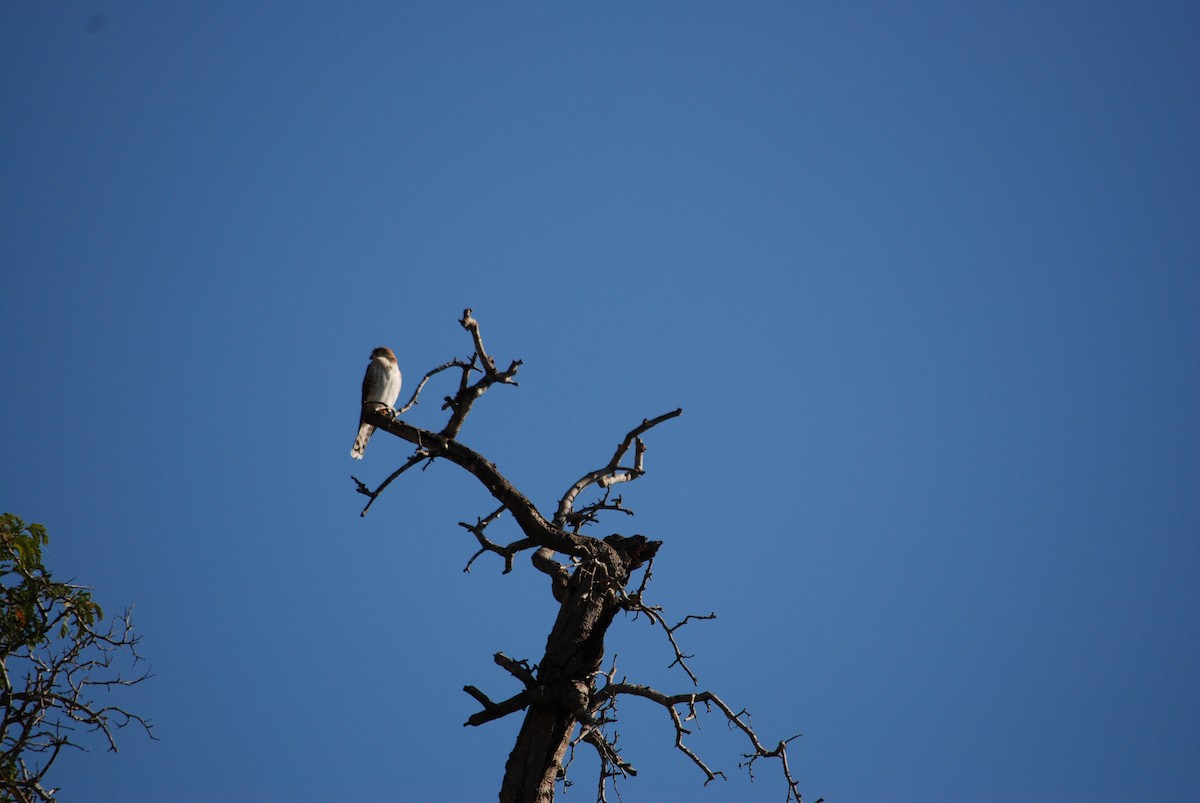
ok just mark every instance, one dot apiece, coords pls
pixel 518 669
pixel 612 764
pixel 472 326
pixel 635 604
pixel 612 473
pixel 486 545
pixel 420 456
pixel 586 515
pixel 53 704
pixel 466 367
pixel 492 711
pixel 780 752
pixel 739 720
pixel 609 756
pixel 479 696
pixel 460 404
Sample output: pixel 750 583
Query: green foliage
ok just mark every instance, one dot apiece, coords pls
pixel 32 604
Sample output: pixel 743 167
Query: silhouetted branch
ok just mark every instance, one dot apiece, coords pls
pixel 460 404
pixel 521 670
pixel 738 720
pixel 635 604
pixel 485 545
pixel 492 711
pixel 420 456
pixel 577 519
pixel 466 368
pixel 612 473
pixel 612 764
pixel 55 701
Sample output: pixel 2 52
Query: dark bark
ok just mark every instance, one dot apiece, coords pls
pixel 568 671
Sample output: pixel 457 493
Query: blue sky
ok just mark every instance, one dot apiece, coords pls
pixel 923 277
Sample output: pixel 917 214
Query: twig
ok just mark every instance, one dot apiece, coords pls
pixel 467 368
pixel 586 515
pixel 420 456
pixel 635 604
pixel 739 720
pixel 486 545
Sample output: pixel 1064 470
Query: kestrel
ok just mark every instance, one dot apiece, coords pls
pixel 381 385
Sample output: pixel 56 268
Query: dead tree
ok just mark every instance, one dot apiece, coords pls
pixel 567 697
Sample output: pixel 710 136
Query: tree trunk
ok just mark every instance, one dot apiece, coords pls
pixel 566 678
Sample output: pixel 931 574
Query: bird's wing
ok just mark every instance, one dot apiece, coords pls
pixel 376 383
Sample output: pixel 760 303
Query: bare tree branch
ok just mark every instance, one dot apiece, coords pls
pixel 578 519
pixel 466 368
pixel 485 545
pixel 491 711
pixel 612 473
pixel 460 404
pixel 54 704
pixel 420 456
pixel 739 720
pixel 518 669
pixel 635 604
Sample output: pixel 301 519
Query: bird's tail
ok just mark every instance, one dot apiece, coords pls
pixel 360 443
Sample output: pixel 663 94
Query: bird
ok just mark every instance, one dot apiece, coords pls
pixel 381 385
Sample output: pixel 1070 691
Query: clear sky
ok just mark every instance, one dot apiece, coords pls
pixel 924 277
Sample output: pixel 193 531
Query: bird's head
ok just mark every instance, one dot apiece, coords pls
pixel 385 353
